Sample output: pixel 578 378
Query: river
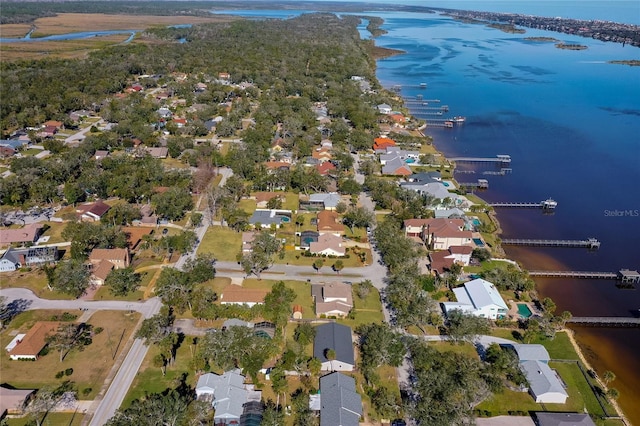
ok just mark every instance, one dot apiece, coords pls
pixel 570 122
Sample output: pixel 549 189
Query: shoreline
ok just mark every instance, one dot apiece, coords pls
pixel 570 333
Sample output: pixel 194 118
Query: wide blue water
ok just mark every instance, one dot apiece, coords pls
pixel 571 123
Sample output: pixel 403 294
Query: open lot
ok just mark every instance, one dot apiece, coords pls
pixel 63 23
pixel 34 280
pixel 90 366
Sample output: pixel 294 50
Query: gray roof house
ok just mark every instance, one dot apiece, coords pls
pixel 340 403
pixel 544 385
pixel 228 394
pixel 337 337
pixel 384 109
pixel 563 419
pixel 396 166
pixel 266 217
pixel 531 352
pixel 329 200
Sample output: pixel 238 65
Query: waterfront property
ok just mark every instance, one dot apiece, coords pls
pixel 563 419
pixel 524 311
pixel 545 386
pixel 439 234
pixel 480 298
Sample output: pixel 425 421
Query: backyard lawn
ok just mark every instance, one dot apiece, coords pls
pixel 34 280
pixel 90 366
pixel 224 243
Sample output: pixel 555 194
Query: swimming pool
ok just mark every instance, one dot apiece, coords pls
pixel 410 160
pixel 477 222
pixel 478 242
pixel 524 311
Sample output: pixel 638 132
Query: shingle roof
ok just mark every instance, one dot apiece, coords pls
pixel 531 352
pixel 340 403
pixel 564 419
pixel 334 336
pixel 35 339
pixel 541 378
pixel 238 294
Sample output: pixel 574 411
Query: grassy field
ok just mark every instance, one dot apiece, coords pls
pixel 63 23
pixel 67 419
pixel 90 367
pixel 67 49
pixel 366 311
pixel 224 243
pixel 34 280
pixel 301 288
pixel 150 379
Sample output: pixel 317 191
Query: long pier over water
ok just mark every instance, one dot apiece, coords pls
pixel 546 204
pixel 606 321
pixel 500 159
pixel 575 274
pixel 590 243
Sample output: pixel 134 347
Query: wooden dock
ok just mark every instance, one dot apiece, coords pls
pixel 575 274
pixel 500 159
pixel 590 243
pixel 606 321
pixel 480 184
pixel 548 204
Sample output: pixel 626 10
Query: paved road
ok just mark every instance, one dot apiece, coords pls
pixel 82 134
pixel 106 407
pixel 28 301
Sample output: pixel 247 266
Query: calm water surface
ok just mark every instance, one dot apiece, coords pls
pixel 571 123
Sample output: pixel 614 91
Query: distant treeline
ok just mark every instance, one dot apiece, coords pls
pixel 21 12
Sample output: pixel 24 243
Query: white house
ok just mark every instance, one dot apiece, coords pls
pixel 384 109
pixel 480 298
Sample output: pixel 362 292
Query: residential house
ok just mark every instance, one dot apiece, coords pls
pixel 439 234
pixel 335 337
pixel 6 151
pixel 27 234
pixel 229 395
pixel 444 259
pixel 328 223
pixel 398 119
pixel 92 212
pixel 425 177
pixel 266 217
pixel 262 198
pixel 58 125
pixel 100 154
pixel 322 154
pixel 104 261
pixel 563 419
pixel 452 213
pixel 179 122
pixel 381 144
pixel 392 152
pixel 149 218
pixel 396 167
pixel 332 299
pixel 322 201
pixel 544 385
pixel 328 244
pixel 480 298
pixel 34 340
pixel 13 259
pixel 272 166
pixel 384 109
pixel 157 152
pixel 325 168
pixel 340 404
pixel 435 190
pixel 13 401
pixel 238 295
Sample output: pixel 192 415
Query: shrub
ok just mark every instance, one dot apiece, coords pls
pixel 86 391
pixel 59 374
pixel 68 371
pixel 98 330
